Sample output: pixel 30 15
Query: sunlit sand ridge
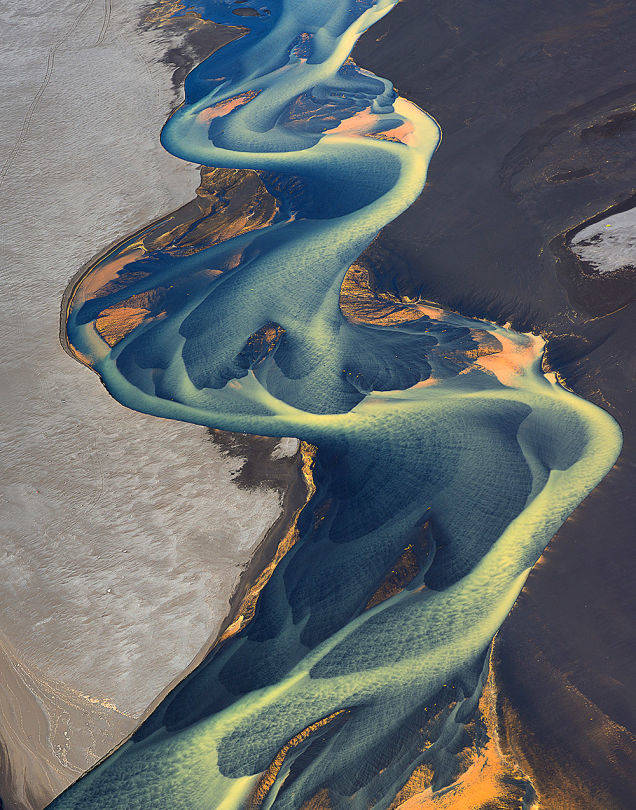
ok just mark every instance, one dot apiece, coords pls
pixel 438 438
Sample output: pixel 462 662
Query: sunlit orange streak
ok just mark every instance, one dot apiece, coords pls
pixel 248 605
pixel 269 776
pixel 357 124
pixel 225 107
pixel 491 780
pixel 98 278
pixel 114 324
pixel 513 359
pixel 405 133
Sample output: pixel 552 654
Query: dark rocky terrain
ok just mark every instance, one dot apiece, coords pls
pixel 536 103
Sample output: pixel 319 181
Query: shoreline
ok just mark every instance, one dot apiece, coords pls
pixel 74 483
pixel 537 146
pixel 261 560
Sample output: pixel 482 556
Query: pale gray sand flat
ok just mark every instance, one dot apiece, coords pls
pixel 124 534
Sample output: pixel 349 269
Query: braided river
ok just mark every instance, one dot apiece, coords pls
pixel 443 458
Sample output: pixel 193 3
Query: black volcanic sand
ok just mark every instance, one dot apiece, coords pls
pixel 535 102
pixel 200 39
pixel 258 470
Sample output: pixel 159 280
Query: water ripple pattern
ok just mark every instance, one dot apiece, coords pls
pixel 443 451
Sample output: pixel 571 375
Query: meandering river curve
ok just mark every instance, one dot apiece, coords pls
pixel 440 442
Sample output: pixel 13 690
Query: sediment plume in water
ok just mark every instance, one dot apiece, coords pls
pixel 445 459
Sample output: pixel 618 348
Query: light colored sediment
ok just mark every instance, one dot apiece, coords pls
pixel 124 534
pixel 609 244
pixel 50 733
